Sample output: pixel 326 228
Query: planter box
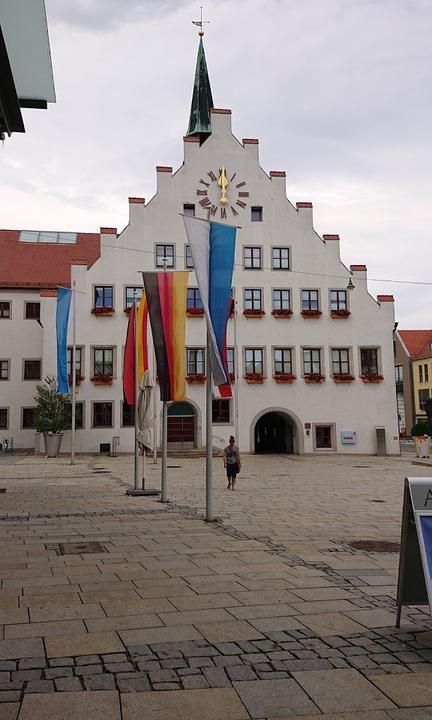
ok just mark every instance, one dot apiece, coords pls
pixel 311 313
pixel 52 444
pixel 195 312
pixel 253 313
pixel 254 378
pixel 127 311
pixel 103 311
pixel 372 378
pixel 197 379
pixel 284 378
pixel 78 380
pixel 340 314
pixel 340 379
pixel 102 380
pixel 422 446
pixel 314 378
pixel 282 313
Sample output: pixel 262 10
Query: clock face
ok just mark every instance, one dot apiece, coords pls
pixel 222 194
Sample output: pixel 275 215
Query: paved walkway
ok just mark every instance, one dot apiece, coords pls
pixel 268 613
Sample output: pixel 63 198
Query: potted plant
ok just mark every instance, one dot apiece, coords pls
pixel 311 313
pixel 282 313
pixel 340 378
pixel 196 378
pixel 311 378
pixel 340 313
pixel 53 414
pixel 254 378
pixel 285 377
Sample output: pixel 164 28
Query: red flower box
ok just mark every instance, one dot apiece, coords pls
pixel 256 378
pixel 372 378
pixel 311 313
pixel 103 311
pixel 314 378
pixel 284 378
pixel 340 314
pixel 341 378
pixel 102 379
pixel 196 378
pixel 127 311
pixel 231 377
pixel 282 313
pixel 78 380
pixel 253 313
pixel 195 312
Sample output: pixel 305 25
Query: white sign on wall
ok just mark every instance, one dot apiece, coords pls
pixel 348 437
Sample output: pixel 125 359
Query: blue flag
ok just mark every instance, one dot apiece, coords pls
pixel 62 319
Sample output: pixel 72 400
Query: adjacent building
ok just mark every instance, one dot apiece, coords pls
pixel 413 374
pixel 310 351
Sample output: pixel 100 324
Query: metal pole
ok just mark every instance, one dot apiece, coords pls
pixel 138 484
pixel 209 437
pixel 163 497
pixel 155 423
pixel 236 374
pixel 73 372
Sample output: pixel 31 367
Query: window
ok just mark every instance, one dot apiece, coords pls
pixel 128 415
pixel 193 299
pixel 311 361
pixel 220 411
pixel 252 258
pixel 4 369
pixel 165 256
pixel 103 296
pixel 4 424
pixel 189 209
pixel 282 361
pixel 33 236
pixel 29 418
pixel 32 369
pixel 79 415
pixel 130 295
pixel 310 300
pixel 369 361
pixel 256 214
pixel 281 300
pixel 338 300
pixel 420 367
pixel 340 362
pixel 188 257
pixel 32 311
pixel 254 361
pixel 423 396
pixel 280 258
pixel 426 373
pixel 253 299
pixel 78 361
pixel 103 361
pixel 231 360
pixel 5 309
pixel 398 373
pixel 324 437
pixel 102 414
pixel 195 361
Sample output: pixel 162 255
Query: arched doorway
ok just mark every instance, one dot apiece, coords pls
pixel 274 433
pixel 181 425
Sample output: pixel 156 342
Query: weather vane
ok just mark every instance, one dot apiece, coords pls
pixel 200 24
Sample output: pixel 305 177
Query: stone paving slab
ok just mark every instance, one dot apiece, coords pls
pixel 159 635
pixel 81 644
pixel 9 711
pixel 11 649
pixel 208 704
pixel 263 698
pixel 342 690
pixel 329 624
pixel 71 706
pixel 406 690
pixel 230 631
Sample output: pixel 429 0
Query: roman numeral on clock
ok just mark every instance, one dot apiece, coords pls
pixel 242 184
pixel 241 203
pixel 223 213
pixel 201 192
pixel 213 210
pixel 203 182
pixel 205 202
pixel 234 211
pixel 243 194
pixel 212 176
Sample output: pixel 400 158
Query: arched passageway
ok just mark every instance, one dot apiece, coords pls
pixel 181 425
pixel 275 432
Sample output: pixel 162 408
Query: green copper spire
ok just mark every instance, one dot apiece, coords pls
pixel 202 101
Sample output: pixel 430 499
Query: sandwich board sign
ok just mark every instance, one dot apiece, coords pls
pixel 415 560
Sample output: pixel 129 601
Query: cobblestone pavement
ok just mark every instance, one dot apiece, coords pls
pixel 267 613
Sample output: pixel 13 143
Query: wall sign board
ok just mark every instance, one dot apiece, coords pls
pixel 348 437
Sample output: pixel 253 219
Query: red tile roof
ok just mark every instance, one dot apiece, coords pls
pixel 43 265
pixel 417 342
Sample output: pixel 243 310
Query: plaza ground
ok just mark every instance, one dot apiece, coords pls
pixel 267 613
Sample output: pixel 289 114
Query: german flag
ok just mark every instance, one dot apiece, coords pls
pixel 129 389
pixel 166 299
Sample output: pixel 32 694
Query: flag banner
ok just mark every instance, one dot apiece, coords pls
pixel 62 320
pixel 129 389
pixel 166 300
pixel 212 247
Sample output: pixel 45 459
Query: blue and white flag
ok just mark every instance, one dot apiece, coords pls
pixel 62 319
pixel 212 247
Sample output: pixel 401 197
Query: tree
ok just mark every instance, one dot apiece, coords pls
pixel 53 408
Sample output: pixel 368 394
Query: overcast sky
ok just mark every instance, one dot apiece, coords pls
pixel 337 91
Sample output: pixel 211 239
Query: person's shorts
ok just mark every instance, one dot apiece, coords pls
pixel 232 470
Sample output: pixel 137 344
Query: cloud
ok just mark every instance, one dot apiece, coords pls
pixel 101 15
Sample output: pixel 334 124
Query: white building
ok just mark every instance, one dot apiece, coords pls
pixel 314 359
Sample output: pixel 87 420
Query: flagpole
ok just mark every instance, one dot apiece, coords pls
pixel 138 485
pixel 163 497
pixel 154 411
pixel 73 372
pixel 209 436
pixel 236 374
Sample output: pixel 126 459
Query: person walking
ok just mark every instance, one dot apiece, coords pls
pixel 232 462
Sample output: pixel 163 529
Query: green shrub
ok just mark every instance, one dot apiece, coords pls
pixel 53 408
pixel 420 429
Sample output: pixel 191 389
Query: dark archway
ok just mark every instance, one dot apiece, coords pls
pixel 181 425
pixel 274 433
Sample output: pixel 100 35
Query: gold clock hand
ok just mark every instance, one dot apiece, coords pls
pixel 223 184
